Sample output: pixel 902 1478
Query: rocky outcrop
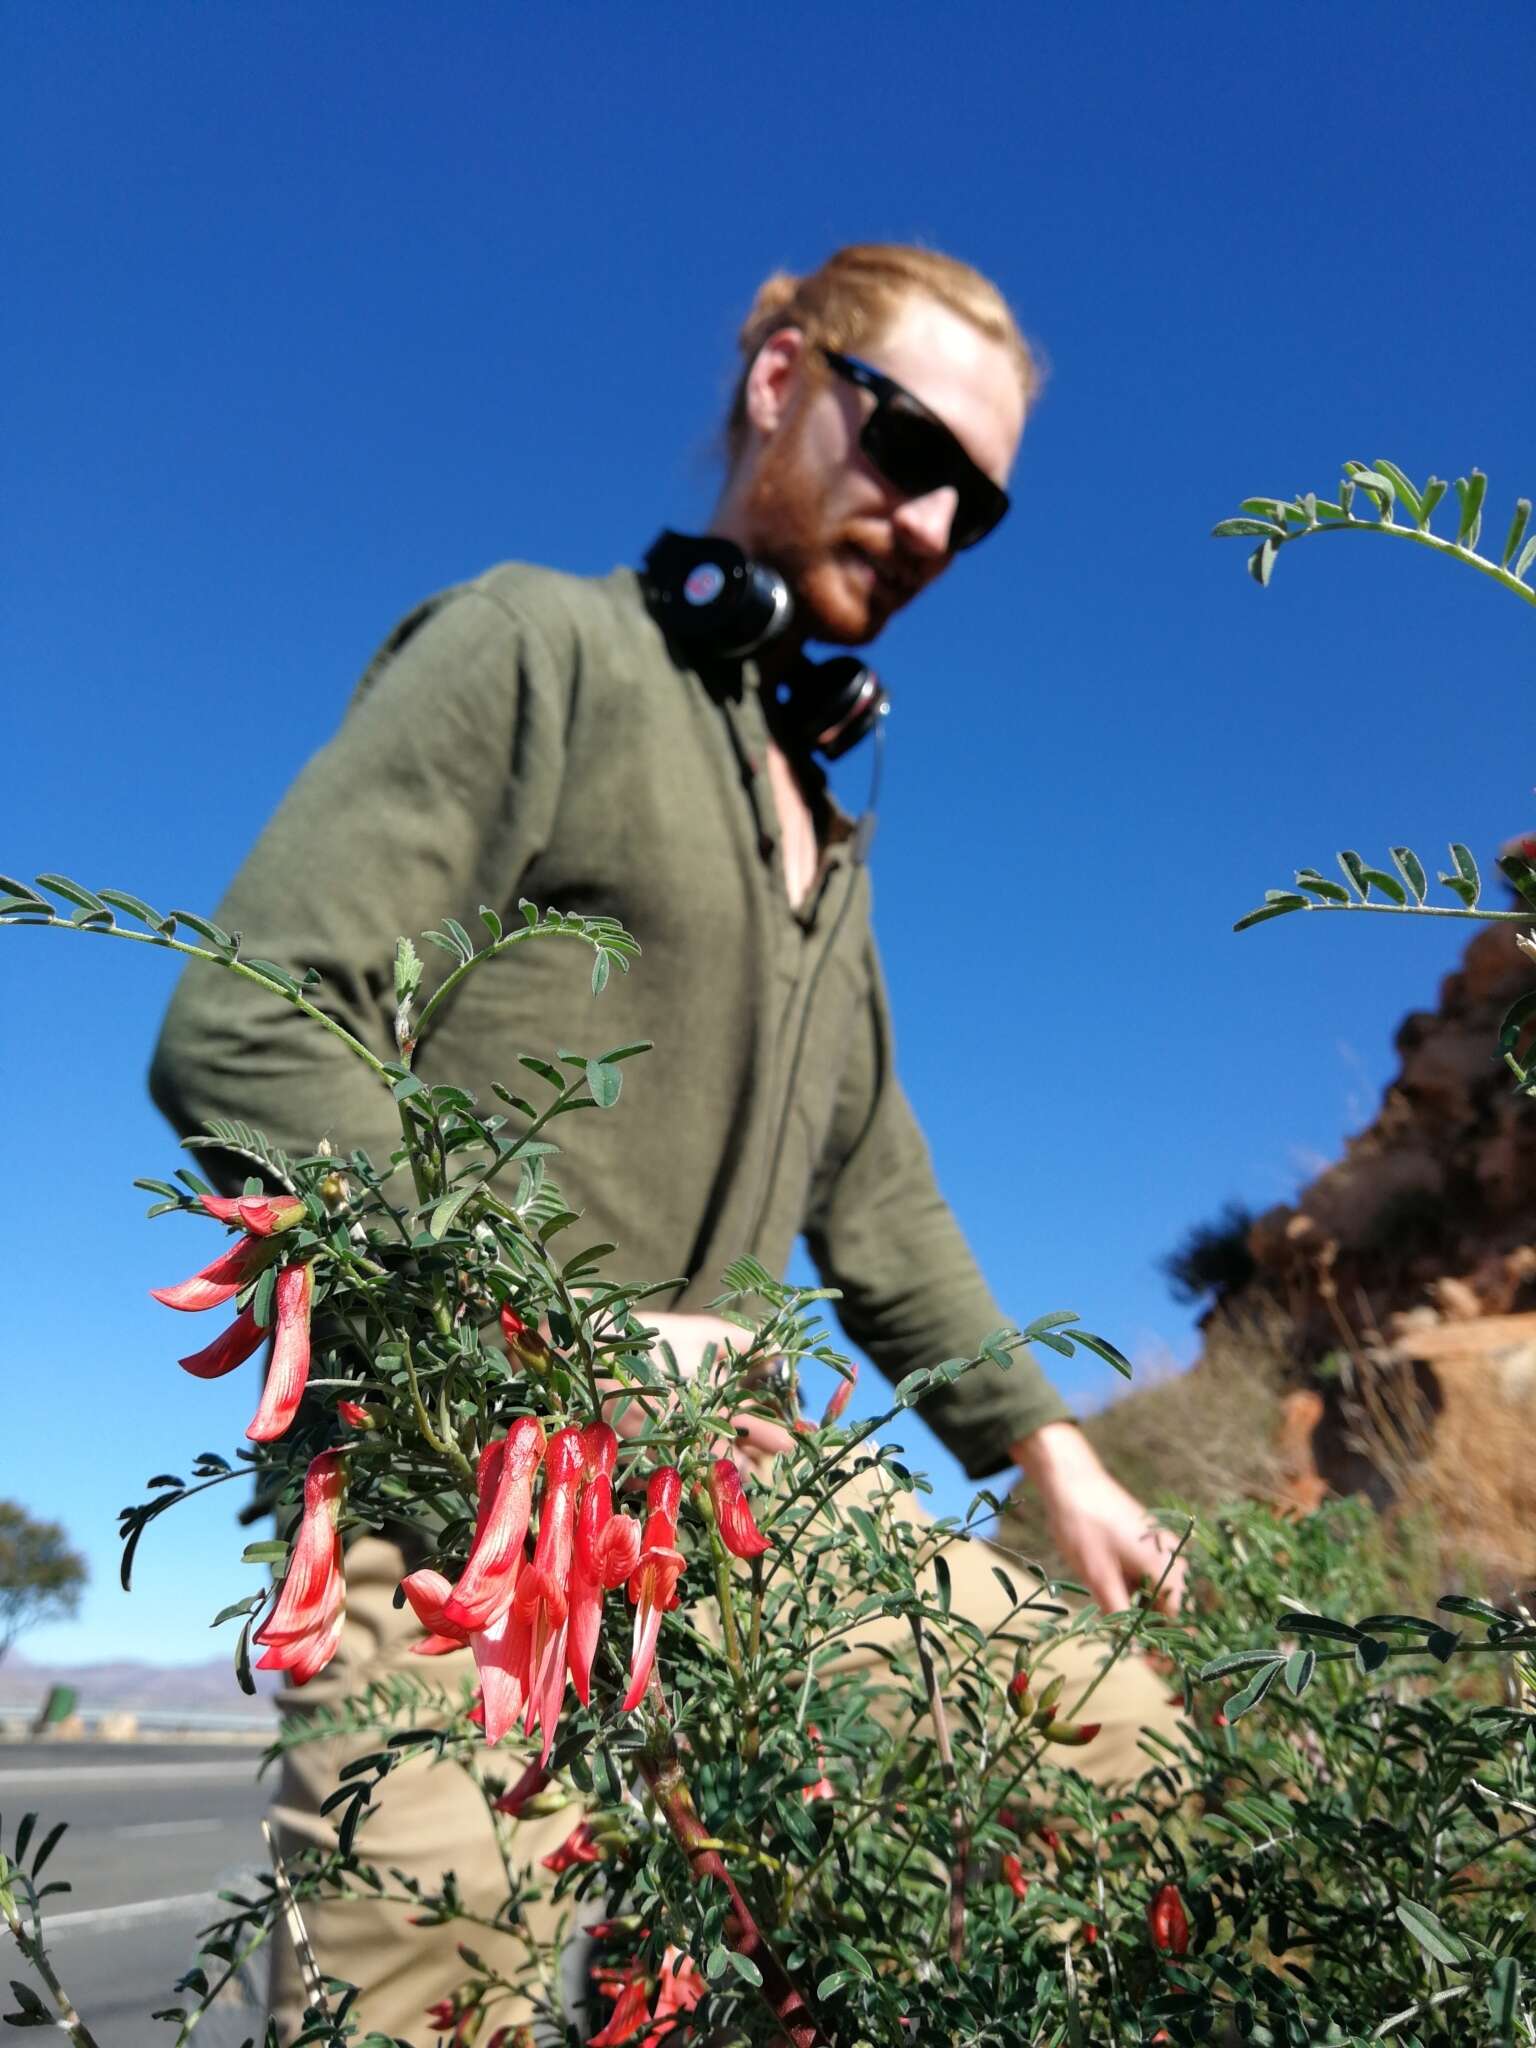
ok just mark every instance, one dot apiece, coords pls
pixel 1405 1280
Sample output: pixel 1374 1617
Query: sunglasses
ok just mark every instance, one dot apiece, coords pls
pixel 916 453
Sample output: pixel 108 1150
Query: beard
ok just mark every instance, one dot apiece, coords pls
pixel 825 562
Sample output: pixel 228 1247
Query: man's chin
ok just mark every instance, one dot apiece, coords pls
pixel 831 609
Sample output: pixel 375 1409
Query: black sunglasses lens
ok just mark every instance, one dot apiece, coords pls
pixel 917 455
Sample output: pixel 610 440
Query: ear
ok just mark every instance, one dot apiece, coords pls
pixel 774 379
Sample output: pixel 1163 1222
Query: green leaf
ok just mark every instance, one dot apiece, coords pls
pixel 74 892
pixel 1372 1654
pixel 600 974
pixel 1389 885
pixel 1254 1691
pixel 1239 1660
pixel 460 938
pixel 1052 1342
pixel 1442 1643
pixel 271 1551
pixel 1527 556
pixel 604 1082
pixel 1299 1667
pixel 1318 885
pixel 406 1086
pixel 1516 1017
pixel 1354 870
pixel 1502 1997
pixel 1431 1934
pixel 135 906
pixel 1403 488
pixel 1434 490
pixel 1261 562
pixel 1466 882
pixel 407 971
pixel 1280 902
pixel 278 976
pixel 1380 488
pixel 1102 1348
pixel 214 934
pixel 448 1208
pixel 1476 1610
pixel 1299 1623
pixel 1470 490
pixel 1231 529
pixel 1517 527
pixel 1411 868
pixel 745 1968
pixel 941 1574
pixel 491 921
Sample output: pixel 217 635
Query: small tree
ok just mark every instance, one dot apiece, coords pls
pixel 40 1576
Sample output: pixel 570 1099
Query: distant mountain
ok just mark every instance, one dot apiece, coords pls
pixel 207 1688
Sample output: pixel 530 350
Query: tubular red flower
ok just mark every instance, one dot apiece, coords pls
pixel 1167 1922
pixel 842 1394
pixel 733 1514
pixel 261 1215
pixel 219 1281
pixel 288 1373
pixel 541 1602
pixel 505 1480
pixel 681 1987
pixel 302 1630
pixel 354 1414
pixel 653 1583
pixel 516 1797
pixel 579 1846
pixel 233 1348
pixel 428 1593
pixel 606 1551
pixel 627 2017
pixel 1013 1873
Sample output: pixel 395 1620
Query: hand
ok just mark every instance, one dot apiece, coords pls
pixel 1105 1535
pixel 690 1337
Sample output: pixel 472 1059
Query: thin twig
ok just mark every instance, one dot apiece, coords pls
pixel 962 1840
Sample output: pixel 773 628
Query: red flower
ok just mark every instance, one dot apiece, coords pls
pixel 842 1394
pixel 541 1602
pixel 1090 1933
pixel 1013 1873
pixel 505 1481
pixel 354 1414
pixel 1167 1922
pixel 823 1787
pixel 429 1592
pixel 579 1846
pixel 682 1986
pixel 232 1348
pixel 1018 1692
pixel 218 1282
pixel 733 1515
pixel 524 1346
pixel 261 1215
pixel 607 1551
pixel 289 1370
pixel 302 1631
pixel 653 1583
pixel 517 1796
pixel 629 2015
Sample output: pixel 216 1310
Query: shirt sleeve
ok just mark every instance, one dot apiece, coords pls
pixel 433 798
pixel 912 1293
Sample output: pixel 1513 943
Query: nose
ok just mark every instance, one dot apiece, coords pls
pixel 925 523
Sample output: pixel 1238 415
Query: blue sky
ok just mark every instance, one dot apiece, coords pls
pixel 316 310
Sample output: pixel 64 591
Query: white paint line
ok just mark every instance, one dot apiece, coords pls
pixel 140 1909
pixel 85 1775
pixel 169 1827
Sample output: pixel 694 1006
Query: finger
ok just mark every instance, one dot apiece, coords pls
pixel 1106 1582
pixel 758 1434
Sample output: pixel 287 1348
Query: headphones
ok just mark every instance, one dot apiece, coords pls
pixel 715 601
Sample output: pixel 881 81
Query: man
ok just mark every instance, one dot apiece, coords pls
pixel 532 734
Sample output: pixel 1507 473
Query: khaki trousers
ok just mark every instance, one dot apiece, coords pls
pixel 430 1817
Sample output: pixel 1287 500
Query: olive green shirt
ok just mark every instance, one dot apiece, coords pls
pixel 532 734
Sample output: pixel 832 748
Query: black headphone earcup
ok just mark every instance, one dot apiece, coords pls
pixel 831 705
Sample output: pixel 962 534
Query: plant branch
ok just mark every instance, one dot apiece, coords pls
pixel 962 1840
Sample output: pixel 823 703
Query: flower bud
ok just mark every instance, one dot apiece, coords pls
pixel 1073 1733
pixel 1018 1693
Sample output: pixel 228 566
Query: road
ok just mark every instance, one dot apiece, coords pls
pixel 156 1830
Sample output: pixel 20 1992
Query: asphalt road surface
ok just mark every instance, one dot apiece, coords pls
pixel 156 1830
